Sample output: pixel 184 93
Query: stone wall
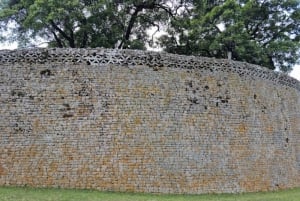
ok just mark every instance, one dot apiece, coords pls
pixel 123 120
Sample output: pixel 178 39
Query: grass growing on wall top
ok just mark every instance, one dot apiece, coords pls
pixel 35 194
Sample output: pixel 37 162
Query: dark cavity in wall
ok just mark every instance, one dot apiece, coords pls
pixel 193 100
pixel 18 93
pixel 46 73
pixel 67 115
pixel 189 83
pixel 264 108
pixel 287 141
pixel 84 91
pixel 66 107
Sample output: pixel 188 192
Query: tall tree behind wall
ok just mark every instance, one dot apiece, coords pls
pixel 263 32
pixel 86 23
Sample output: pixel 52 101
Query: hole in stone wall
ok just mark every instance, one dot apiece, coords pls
pixel 287 140
pixel 66 106
pixel 74 73
pixel 46 73
pixel 254 96
pixel 206 87
pixel 190 83
pixel 194 100
pixel 18 93
pixel 88 63
pixel 264 109
pixel 84 91
pixel 67 115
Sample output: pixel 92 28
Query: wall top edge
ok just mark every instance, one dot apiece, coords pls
pixel 156 60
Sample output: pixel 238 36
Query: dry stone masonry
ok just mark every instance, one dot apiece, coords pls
pixel 125 120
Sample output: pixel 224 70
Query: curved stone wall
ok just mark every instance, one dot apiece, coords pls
pixel 127 120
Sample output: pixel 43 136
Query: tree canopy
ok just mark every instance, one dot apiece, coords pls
pixel 263 32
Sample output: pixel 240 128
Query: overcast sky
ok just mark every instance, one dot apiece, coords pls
pixel 295 73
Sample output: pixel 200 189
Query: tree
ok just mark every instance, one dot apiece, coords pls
pixel 263 32
pixel 85 23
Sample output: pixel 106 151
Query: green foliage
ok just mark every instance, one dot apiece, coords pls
pixel 83 23
pixel 264 32
pixel 260 32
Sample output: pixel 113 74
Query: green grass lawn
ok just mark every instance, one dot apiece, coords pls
pixel 36 194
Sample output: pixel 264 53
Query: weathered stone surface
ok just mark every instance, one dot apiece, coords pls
pixel 146 122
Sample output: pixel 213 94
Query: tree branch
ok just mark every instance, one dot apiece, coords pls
pixel 68 38
pixel 138 8
pixel 58 41
pixel 130 25
pixel 84 39
pixel 72 40
pixel 167 10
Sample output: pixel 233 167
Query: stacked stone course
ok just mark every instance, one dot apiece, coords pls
pixel 125 120
pixel 135 57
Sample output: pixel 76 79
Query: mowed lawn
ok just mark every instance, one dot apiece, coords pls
pixel 37 194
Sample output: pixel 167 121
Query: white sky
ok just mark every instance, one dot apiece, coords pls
pixel 295 73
